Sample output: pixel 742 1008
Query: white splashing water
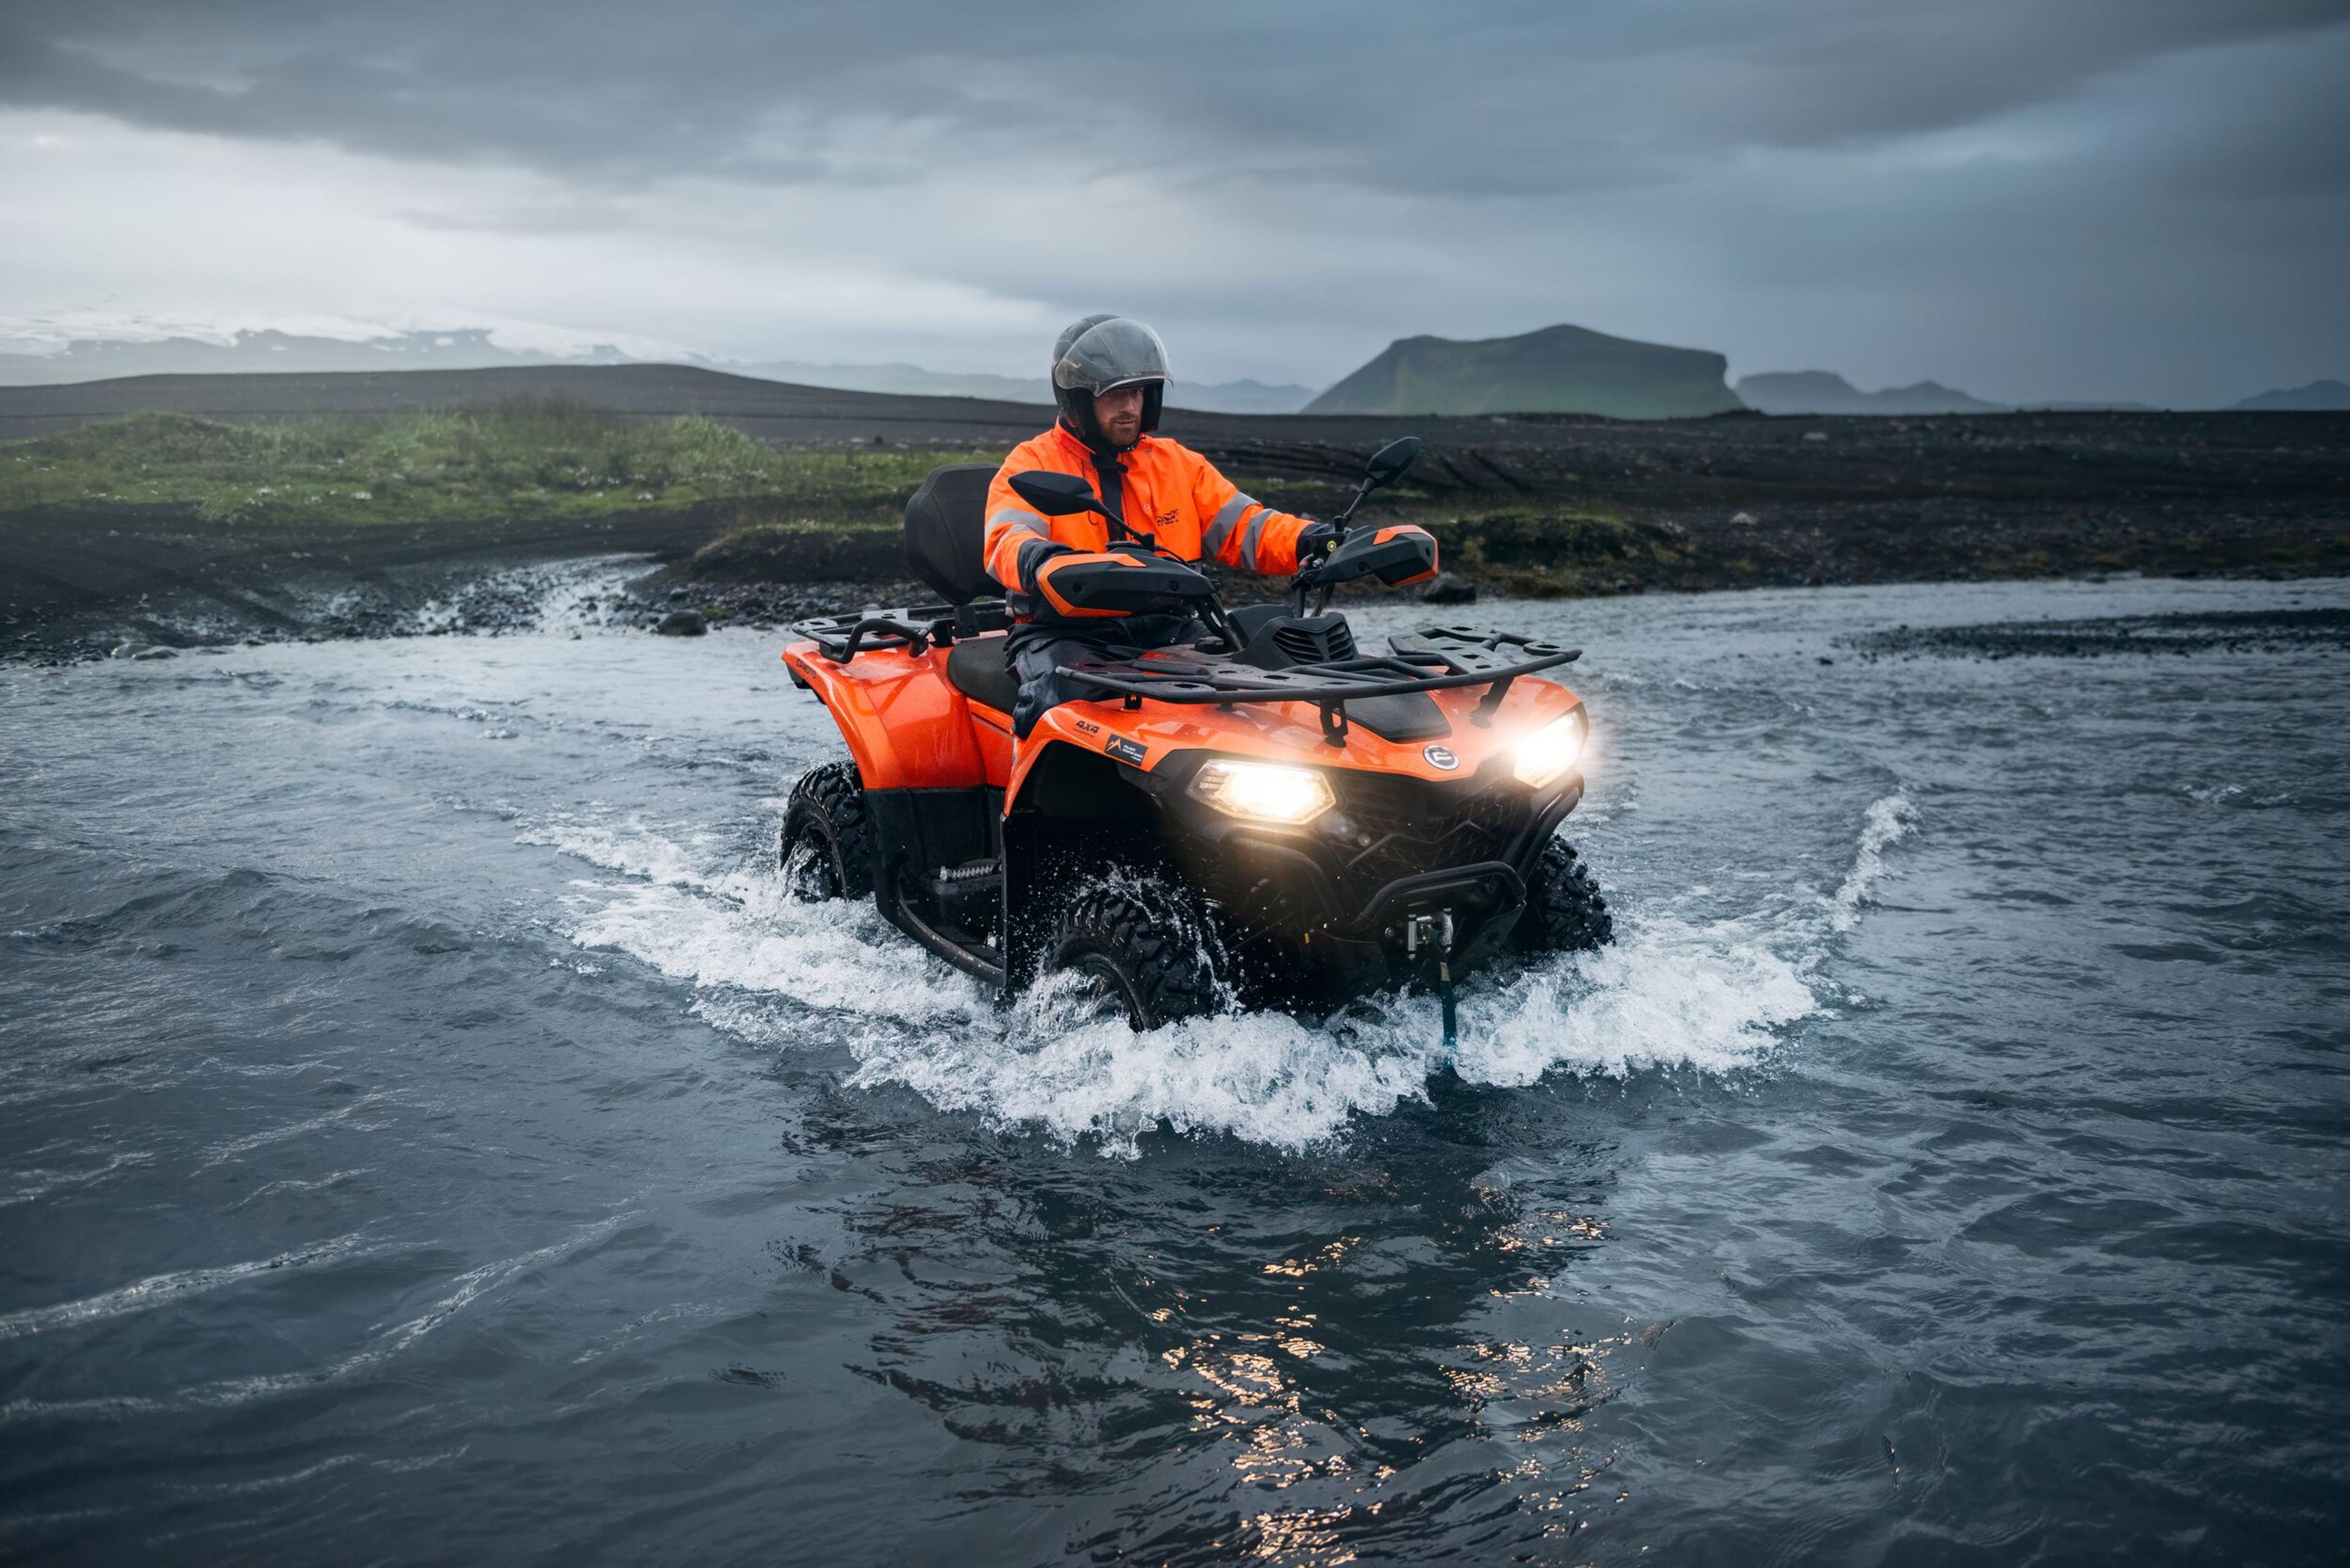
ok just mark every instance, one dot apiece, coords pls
pixel 1670 993
pixel 569 596
pixel 733 929
pixel 1889 822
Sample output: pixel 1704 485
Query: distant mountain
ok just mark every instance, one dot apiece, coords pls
pixel 96 358
pixel 1240 397
pixel 1826 393
pixel 2318 397
pixel 475 348
pixel 912 381
pixel 1559 369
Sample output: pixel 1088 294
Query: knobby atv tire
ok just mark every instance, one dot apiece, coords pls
pixel 1149 946
pixel 1563 912
pixel 826 815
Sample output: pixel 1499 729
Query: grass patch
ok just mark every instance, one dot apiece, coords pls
pixel 540 458
pixel 804 550
pixel 796 515
pixel 1547 555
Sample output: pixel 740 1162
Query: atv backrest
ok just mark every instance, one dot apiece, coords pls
pixel 946 531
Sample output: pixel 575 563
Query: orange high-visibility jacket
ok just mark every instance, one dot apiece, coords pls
pixel 1173 497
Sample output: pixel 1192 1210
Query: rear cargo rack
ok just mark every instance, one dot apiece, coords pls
pixel 841 637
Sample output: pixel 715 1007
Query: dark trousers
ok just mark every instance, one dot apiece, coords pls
pixel 1036 649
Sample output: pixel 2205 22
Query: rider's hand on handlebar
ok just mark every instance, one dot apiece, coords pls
pixel 1315 541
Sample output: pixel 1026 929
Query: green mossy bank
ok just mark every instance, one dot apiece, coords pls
pixel 543 458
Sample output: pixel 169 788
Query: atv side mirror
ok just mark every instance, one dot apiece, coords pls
pixel 1056 495
pixel 1388 463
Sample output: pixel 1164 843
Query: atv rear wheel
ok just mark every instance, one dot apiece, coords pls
pixel 1563 912
pixel 827 843
pixel 1146 947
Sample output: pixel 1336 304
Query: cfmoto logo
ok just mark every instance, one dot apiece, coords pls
pixel 1441 757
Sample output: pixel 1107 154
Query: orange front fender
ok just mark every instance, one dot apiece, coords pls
pixel 1292 733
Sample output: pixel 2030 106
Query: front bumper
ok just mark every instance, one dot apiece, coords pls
pixel 1341 889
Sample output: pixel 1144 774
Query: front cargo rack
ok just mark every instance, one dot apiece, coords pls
pixel 1465 656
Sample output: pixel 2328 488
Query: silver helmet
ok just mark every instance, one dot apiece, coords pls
pixel 1098 352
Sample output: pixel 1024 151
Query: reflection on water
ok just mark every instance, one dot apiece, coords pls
pixel 427 1132
pixel 1308 1334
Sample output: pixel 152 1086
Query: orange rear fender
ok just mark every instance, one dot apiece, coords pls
pixel 905 726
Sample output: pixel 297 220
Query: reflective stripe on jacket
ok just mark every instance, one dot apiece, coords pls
pixel 1171 497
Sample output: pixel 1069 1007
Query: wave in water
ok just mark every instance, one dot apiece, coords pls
pixel 385 1341
pixel 144 1295
pixel 1889 821
pixel 1712 995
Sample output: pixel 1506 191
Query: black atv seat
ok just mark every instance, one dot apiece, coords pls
pixel 976 668
pixel 946 532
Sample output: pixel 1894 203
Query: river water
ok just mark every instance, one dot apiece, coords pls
pixel 427 1134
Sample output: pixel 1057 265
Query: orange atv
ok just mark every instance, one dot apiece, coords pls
pixel 1266 814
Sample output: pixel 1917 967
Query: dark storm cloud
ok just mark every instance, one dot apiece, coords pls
pixel 1499 99
pixel 2033 198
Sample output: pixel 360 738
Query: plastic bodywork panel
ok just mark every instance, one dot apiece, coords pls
pixel 906 726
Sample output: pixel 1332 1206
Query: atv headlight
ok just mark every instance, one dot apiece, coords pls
pixel 1263 791
pixel 1551 749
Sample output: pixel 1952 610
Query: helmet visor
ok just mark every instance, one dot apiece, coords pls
pixel 1111 354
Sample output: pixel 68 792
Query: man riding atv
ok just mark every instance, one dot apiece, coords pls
pixel 1109 377
pixel 1199 804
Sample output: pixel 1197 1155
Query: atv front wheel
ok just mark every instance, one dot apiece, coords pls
pixel 1146 947
pixel 1563 912
pixel 827 845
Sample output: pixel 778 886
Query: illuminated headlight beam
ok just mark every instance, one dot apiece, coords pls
pixel 1550 751
pixel 1263 791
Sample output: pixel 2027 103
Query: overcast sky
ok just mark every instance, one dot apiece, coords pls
pixel 2029 199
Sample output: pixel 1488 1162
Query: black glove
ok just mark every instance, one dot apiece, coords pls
pixel 1313 541
pixel 1035 553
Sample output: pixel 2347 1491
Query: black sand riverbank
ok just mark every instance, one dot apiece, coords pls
pixel 1536 506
